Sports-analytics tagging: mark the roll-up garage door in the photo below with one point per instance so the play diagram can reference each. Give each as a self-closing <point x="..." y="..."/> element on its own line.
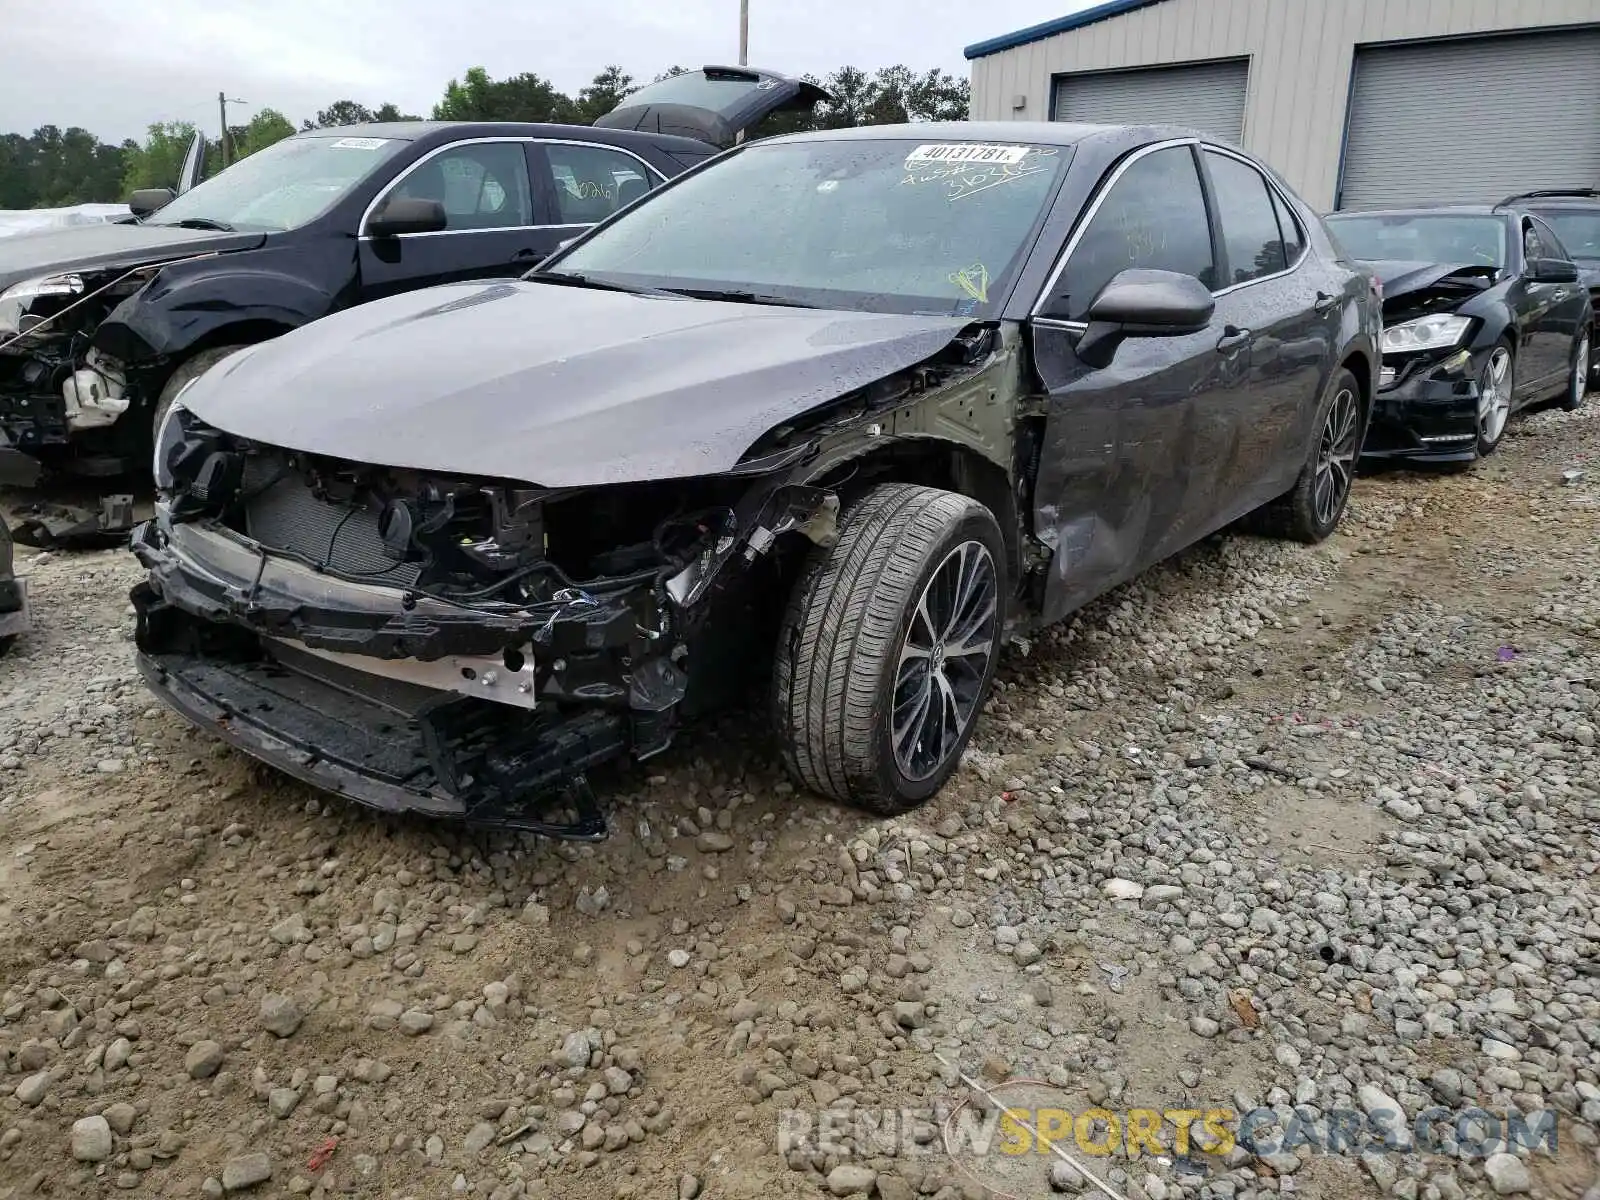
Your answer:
<point x="1473" y="121"/>
<point x="1205" y="96"/>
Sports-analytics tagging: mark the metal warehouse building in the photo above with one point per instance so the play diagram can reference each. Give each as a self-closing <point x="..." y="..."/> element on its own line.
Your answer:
<point x="1358" y="103"/>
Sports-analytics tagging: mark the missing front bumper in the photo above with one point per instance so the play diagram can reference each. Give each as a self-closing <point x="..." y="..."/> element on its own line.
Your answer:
<point x="461" y="759"/>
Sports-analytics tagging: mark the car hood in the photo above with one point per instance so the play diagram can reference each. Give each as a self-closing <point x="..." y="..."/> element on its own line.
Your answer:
<point x="84" y="247"/>
<point x="1399" y="278"/>
<point x="552" y="385"/>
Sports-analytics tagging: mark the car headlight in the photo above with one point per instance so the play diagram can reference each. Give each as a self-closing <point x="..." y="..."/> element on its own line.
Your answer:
<point x="15" y="300"/>
<point x="1437" y="332"/>
<point x="168" y="438"/>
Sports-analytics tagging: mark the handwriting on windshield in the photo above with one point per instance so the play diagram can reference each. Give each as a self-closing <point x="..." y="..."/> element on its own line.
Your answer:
<point x="973" y="281"/>
<point x="961" y="180"/>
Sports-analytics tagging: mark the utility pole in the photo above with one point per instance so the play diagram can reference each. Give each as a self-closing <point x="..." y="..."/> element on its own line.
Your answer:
<point x="744" y="33"/>
<point x="223" y="100"/>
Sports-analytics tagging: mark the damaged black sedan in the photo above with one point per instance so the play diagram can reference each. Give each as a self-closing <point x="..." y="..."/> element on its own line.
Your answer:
<point x="1483" y="316"/>
<point x="837" y="415"/>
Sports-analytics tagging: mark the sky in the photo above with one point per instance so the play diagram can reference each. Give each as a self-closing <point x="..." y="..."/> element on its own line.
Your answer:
<point x="114" y="67"/>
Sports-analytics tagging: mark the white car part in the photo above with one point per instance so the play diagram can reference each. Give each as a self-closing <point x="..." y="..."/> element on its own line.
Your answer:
<point x="470" y="675"/>
<point x="96" y="393"/>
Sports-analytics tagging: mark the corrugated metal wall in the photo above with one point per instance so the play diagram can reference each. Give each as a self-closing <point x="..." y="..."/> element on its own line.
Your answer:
<point x="1301" y="53"/>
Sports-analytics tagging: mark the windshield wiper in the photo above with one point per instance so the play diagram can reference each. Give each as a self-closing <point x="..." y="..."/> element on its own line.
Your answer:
<point x="574" y="279"/>
<point x="199" y="223"/>
<point x="738" y="297"/>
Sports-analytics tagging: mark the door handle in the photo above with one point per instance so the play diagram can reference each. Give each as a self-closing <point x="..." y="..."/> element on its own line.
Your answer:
<point x="1324" y="302"/>
<point x="1560" y="294"/>
<point x="526" y="255"/>
<point x="1233" y="338"/>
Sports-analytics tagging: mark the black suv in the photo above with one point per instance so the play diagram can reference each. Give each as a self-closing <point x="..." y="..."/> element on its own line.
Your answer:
<point x="1574" y="214"/>
<point x="101" y="326"/>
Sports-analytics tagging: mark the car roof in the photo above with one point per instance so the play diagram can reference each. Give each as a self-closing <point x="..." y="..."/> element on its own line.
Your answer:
<point x="1424" y="210"/>
<point x="418" y="131"/>
<point x="1043" y="133"/>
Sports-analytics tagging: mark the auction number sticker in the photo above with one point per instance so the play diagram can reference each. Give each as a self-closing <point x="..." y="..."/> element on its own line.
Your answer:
<point x="360" y="143"/>
<point x="967" y="152"/>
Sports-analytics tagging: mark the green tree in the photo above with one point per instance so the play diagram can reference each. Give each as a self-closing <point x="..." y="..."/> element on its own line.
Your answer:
<point x="605" y="91"/>
<point x="159" y="161"/>
<point x="266" y="127"/>
<point x="391" y="112"/>
<point x="670" y="72"/>
<point x="525" y="97"/>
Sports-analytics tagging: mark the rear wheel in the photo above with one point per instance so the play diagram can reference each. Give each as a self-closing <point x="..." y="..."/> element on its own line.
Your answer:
<point x="888" y="647"/>
<point x="1313" y="507"/>
<point x="1496" y="383"/>
<point x="1578" y="383"/>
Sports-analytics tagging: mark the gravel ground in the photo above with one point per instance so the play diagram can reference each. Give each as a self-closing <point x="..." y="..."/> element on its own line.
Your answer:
<point x="1307" y="829"/>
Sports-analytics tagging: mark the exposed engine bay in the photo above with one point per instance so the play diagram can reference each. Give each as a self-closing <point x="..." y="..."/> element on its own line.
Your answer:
<point x="69" y="376"/>
<point x="1435" y="290"/>
<point x="479" y="609"/>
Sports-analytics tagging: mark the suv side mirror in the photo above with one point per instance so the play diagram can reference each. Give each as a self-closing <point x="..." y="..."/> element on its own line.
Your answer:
<point x="1553" y="270"/>
<point x="147" y="200"/>
<point x="403" y="214"/>
<point x="1143" y="303"/>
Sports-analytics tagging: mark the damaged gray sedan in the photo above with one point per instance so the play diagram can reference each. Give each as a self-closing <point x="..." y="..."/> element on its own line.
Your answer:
<point x="834" y="416"/>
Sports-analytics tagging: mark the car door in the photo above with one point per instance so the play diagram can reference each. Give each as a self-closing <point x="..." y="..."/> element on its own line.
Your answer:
<point x="1291" y="325"/>
<point x="585" y="183"/>
<point x="1569" y="310"/>
<point x="1542" y="348"/>
<point x="1127" y="449"/>
<point x="487" y="193"/>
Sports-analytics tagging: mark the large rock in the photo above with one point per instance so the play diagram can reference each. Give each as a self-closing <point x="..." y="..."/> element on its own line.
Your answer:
<point x="280" y="1015"/>
<point x="849" y="1178"/>
<point x="246" y="1172"/>
<point x="91" y="1139"/>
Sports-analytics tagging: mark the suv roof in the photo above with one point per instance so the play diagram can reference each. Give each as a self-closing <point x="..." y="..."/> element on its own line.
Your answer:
<point x="1575" y="197"/>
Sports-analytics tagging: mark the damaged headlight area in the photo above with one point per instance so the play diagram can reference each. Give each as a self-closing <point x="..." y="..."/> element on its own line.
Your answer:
<point x="53" y="382"/>
<point x="1437" y="331"/>
<point x="459" y="646"/>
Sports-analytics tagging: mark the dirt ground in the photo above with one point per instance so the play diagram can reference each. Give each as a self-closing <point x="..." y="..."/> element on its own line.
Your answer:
<point x="219" y="961"/>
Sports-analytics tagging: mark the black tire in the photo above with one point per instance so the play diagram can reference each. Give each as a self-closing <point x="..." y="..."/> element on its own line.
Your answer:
<point x="1304" y="513"/>
<point x="1486" y="444"/>
<point x="853" y="623"/>
<point x="190" y="369"/>
<point x="1580" y="372"/>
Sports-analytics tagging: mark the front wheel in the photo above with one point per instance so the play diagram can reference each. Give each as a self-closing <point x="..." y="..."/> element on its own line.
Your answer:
<point x="888" y="647"/>
<point x="1578" y="382"/>
<point x="1496" y="383"/>
<point x="188" y="371"/>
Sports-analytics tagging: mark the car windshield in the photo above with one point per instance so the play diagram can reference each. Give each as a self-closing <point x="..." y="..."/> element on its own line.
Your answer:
<point x="1579" y="231"/>
<point x="877" y="226"/>
<point x="281" y="187"/>
<point x="1427" y="238"/>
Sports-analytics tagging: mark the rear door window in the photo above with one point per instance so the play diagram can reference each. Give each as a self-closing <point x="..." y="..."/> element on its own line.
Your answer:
<point x="1153" y="216"/>
<point x="1249" y="223"/>
<point x="592" y="182"/>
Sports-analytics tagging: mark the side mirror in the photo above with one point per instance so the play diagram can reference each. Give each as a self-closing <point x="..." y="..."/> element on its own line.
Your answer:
<point x="406" y="215"/>
<point x="1143" y="303"/>
<point x="147" y="200"/>
<point x="1553" y="270"/>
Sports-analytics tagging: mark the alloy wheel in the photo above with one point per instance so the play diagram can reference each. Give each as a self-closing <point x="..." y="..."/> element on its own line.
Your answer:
<point x="944" y="661"/>
<point x="1336" y="456"/>
<point x="1494" y="403"/>
<point x="1580" y="372"/>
